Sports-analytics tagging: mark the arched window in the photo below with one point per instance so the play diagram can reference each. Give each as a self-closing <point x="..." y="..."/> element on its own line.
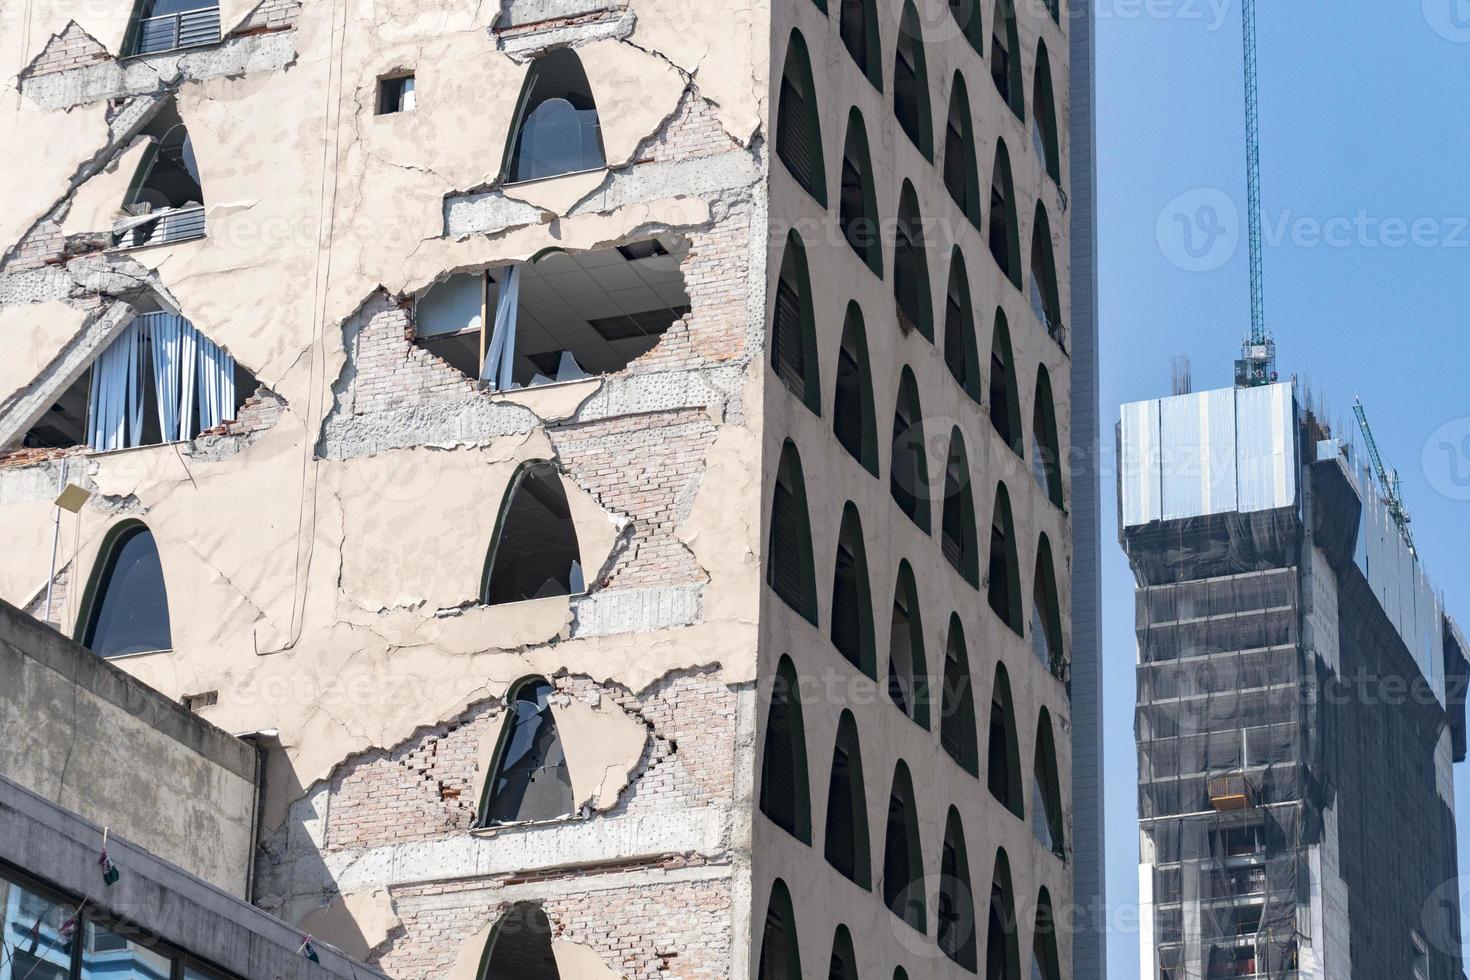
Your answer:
<point x="852" y="599"/>
<point x="961" y="171"/>
<point x="843" y="964"/>
<point x="529" y="780"/>
<point x="785" y="797"/>
<point x="908" y="469"/>
<point x="166" y="195"/>
<point x="519" y="947"/>
<point x="1046" y="790"/>
<point x="908" y="674"/>
<point x="903" y="861"/>
<point x="911" y="83"/>
<point x="1044" y="116"/>
<point x="961" y="353"/>
<point x="854" y="417"/>
<point x="958" y="733"/>
<point x="126" y="605"/>
<point x="1003" y="758"/>
<point x="911" y="267"/>
<point x="847" y="846"/>
<point x="1005" y="57"/>
<point x="1005" y="237"/>
<point x="780" y="956"/>
<point x="1046" y="452"/>
<point x="534" y="553"/>
<point x="1005" y="401"/>
<point x="1002" y="949"/>
<point x="857" y="208"/>
<point x="859" y="29"/>
<point x="789" y="570"/>
<point x="1045" y="963"/>
<point x="1046" y="301"/>
<point x="1046" y="613"/>
<point x="1004" y="577"/>
<point x="968" y="15"/>
<point x="957" y="938"/>
<point x="556" y="130"/>
<point x="958" y="538"/>
<point x="794" y="328"/>
<point x="798" y="131"/>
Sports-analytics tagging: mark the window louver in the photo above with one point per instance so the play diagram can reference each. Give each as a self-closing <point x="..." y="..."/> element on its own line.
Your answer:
<point x="787" y="343"/>
<point x="793" y="139"/>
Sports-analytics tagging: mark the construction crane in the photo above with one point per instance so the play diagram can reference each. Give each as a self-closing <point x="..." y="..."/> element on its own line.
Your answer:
<point x="1392" y="497"/>
<point x="1257" y="364"/>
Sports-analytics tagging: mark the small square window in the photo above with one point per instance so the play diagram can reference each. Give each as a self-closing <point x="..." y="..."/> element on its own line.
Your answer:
<point x="395" y="94"/>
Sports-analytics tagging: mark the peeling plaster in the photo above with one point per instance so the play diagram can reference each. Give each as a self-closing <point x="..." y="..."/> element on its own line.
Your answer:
<point x="356" y="923"/>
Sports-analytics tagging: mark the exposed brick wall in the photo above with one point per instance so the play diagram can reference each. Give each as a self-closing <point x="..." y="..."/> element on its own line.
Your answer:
<point x="693" y="132"/>
<point x="42" y="245"/>
<point x="72" y="48"/>
<point x="393" y="372"/>
<point x="271" y="15"/>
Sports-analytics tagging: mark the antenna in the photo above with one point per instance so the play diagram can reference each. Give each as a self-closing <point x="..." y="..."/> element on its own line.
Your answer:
<point x="1257" y="364"/>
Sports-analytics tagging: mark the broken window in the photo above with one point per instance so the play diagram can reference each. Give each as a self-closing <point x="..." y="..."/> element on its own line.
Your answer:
<point x="798" y="131"/>
<point x="908" y="674"/>
<point x="968" y="14"/>
<point x="125" y="607"/>
<point x="958" y="733"/>
<point x="857" y="208"/>
<point x="1003" y="759"/>
<point x="780" y="955"/>
<point x="789" y="568"/>
<point x="1044" y="116"/>
<point x="911" y="267"/>
<point x="1005" y="237"/>
<point x="961" y="353"/>
<point x="794" y="328"/>
<point x="847" y="847"/>
<point x="529" y="780"/>
<point x="854" y="421"/>
<point x="1004" y="576"/>
<point x="556" y="131"/>
<point x="1046" y="301"/>
<point x="1046" y="455"/>
<point x="395" y="94"/>
<point x="1045" y="963"/>
<point x="163" y="25"/>
<point x="165" y="202"/>
<point x="1046" y="791"/>
<point x="908" y="469"/>
<point x="961" y="171"/>
<point x="911" y="83"/>
<point x="563" y="316"/>
<point x="1002" y="948"/>
<point x="843" y="963"/>
<point x="956" y="927"/>
<point x="1005" y="57"/>
<point x="534" y="553"/>
<point x="1005" y="400"/>
<point x="519" y="947"/>
<point x="903" y="865"/>
<point x="852" y="601"/>
<point x="1046" y="614"/>
<point x="958" y="538"/>
<point x="784" y="795"/>
<point x="858" y="24"/>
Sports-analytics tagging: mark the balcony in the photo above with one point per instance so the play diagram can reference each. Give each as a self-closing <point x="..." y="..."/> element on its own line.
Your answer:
<point x="160" y="228"/>
<point x="186" y="29"/>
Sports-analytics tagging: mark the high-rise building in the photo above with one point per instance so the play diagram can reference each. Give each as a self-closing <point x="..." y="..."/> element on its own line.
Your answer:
<point x="611" y="455"/>
<point x="1300" y="700"/>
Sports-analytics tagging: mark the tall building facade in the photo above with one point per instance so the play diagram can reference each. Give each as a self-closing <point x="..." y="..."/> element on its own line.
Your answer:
<point x="612" y="455"/>
<point x="1300" y="701"/>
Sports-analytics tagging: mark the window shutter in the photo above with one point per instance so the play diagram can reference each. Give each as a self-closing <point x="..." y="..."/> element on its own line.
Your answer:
<point x="790" y="361"/>
<point x="786" y="570"/>
<point x="841" y="848"/>
<point x="954" y="339"/>
<point x="793" y="136"/>
<point x="954" y="166"/>
<point x="778" y="780"/>
<point x="950" y="724"/>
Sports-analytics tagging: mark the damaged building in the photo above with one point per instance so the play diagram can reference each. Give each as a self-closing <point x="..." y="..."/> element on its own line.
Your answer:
<point x="1301" y="700"/>
<point x="605" y="456"/>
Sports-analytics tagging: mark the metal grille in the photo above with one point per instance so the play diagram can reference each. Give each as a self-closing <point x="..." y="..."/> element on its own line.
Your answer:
<point x="179" y="225"/>
<point x="188" y="29"/>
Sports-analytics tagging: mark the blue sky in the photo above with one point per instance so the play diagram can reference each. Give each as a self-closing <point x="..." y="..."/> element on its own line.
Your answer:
<point x="1365" y="144"/>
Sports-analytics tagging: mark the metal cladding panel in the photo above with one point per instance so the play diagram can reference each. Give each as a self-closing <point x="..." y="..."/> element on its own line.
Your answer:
<point x="1138" y="470"/>
<point x="1265" y="435"/>
<point x="1197" y="454"/>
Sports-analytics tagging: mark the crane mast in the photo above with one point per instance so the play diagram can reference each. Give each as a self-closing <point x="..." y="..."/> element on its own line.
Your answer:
<point x="1392" y="497"/>
<point x="1257" y="364"/>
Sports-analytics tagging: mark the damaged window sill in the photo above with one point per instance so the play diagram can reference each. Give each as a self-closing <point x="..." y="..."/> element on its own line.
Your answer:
<point x="495" y="829"/>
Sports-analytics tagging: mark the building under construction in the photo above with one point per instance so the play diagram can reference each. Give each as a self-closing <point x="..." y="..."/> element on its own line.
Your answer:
<point x="1300" y="700"/>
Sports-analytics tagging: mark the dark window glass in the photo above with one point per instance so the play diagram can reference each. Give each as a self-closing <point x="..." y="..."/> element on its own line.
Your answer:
<point x="559" y="132"/>
<point x="853" y="420"/>
<point x="847" y="847"/>
<point x="129" y="604"/>
<point x="519" y="948"/>
<point x="903" y="870"/>
<point x="780" y="956"/>
<point x="530" y="780"/>
<point x="783" y="793"/>
<point x="535" y="554"/>
<point x="956" y="932"/>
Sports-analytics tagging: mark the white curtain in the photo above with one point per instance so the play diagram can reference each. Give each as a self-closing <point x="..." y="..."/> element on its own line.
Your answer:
<point x="115" y="409"/>
<point x="497" y="371"/>
<point x="216" y="384"/>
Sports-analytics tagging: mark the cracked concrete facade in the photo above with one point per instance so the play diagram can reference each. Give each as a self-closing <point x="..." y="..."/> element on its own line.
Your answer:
<point x="323" y="553"/>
